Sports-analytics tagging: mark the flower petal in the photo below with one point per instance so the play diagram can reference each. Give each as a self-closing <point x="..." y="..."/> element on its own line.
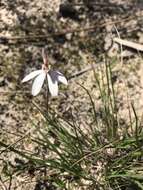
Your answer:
<point x="38" y="83"/>
<point x="52" y="83"/>
<point x="61" y="78"/>
<point x="32" y="75"/>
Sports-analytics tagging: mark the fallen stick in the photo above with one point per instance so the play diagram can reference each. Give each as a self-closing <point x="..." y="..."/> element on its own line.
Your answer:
<point x="133" y="45"/>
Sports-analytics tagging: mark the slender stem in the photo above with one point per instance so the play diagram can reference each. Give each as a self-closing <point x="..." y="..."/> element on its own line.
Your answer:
<point x="47" y="97"/>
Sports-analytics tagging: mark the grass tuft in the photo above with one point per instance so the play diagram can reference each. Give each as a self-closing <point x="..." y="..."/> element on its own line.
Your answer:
<point x="102" y="157"/>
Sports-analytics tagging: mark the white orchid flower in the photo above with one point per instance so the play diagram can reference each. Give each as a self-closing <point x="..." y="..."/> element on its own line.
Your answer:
<point x="52" y="77"/>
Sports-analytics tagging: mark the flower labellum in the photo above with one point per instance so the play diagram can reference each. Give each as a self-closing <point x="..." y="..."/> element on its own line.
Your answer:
<point x="52" y="77"/>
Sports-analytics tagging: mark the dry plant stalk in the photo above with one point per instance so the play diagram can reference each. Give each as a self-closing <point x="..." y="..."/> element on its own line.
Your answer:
<point x="127" y="43"/>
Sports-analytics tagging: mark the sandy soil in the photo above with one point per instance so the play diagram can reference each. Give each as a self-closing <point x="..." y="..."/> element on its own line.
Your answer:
<point x="70" y="53"/>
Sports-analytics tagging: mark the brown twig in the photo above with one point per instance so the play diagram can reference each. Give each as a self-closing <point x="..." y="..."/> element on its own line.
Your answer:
<point x="73" y="30"/>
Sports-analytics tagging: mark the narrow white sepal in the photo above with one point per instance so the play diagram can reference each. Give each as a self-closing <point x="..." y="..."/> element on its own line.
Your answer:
<point x="52" y="84"/>
<point x="32" y="75"/>
<point x="38" y="83"/>
<point x="61" y="78"/>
